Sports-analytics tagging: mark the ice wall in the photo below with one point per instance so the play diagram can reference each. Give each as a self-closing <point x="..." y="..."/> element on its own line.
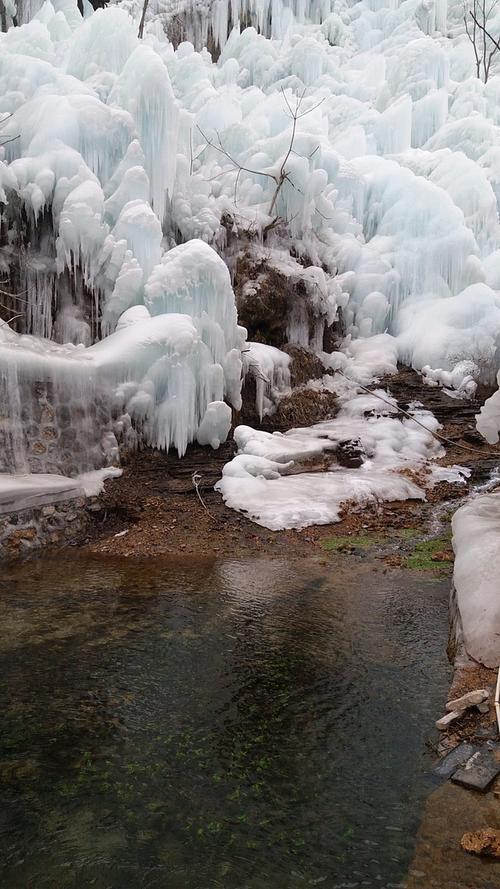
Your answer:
<point x="358" y="138"/>
<point x="390" y="183"/>
<point x="154" y="374"/>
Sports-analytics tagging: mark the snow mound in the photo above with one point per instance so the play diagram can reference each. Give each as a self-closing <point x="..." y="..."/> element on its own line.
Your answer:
<point x="260" y="480"/>
<point x="476" y="532"/>
<point x="488" y="419"/>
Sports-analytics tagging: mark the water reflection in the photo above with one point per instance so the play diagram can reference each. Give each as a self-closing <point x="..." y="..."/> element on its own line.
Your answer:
<point x="244" y="724"/>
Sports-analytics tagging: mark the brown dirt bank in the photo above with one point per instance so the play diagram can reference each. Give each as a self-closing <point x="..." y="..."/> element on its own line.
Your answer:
<point x="439" y="862"/>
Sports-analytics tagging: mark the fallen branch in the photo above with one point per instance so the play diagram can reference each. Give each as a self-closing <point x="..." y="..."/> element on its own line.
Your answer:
<point x="196" y="478"/>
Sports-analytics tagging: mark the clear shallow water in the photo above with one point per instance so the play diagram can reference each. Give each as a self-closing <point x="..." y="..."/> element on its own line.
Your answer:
<point x="241" y="724"/>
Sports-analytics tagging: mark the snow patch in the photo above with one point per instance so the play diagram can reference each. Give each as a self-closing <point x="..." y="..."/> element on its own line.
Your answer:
<point x="476" y="532"/>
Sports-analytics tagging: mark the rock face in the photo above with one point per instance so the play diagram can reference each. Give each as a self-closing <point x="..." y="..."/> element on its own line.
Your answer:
<point x="22" y="531"/>
<point x="482" y="842"/>
<point x="350" y="453"/>
<point x="50" y="429"/>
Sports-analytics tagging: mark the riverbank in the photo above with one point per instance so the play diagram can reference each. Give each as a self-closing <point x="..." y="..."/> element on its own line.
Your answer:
<point x="164" y="505"/>
<point x="155" y="507"/>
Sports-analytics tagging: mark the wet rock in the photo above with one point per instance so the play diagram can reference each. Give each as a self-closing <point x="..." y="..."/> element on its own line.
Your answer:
<point x="471" y="699"/>
<point x="472" y="437"/>
<point x="479" y="771"/>
<point x="486" y="732"/>
<point x="38" y="447"/>
<point x="482" y="842"/>
<point x="350" y="453"/>
<point x="23" y="534"/>
<point x="446" y="720"/>
<point x="454" y="759"/>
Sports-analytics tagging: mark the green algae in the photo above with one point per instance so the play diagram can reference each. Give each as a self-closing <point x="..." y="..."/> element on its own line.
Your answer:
<point x="423" y="557"/>
<point x="362" y="541"/>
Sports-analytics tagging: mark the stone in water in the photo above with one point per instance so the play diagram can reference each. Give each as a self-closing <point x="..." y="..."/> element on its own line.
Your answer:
<point x="479" y="771"/>
<point x="455" y="758"/>
<point x="482" y="842"/>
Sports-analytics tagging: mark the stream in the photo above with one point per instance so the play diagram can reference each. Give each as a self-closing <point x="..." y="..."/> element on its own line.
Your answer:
<point x="246" y="724"/>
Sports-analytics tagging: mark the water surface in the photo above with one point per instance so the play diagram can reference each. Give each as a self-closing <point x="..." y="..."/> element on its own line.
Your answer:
<point x="246" y="724"/>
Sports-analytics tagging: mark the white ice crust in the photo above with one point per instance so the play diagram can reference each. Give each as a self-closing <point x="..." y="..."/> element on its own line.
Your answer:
<point x="262" y="483"/>
<point x="30" y="490"/>
<point x="476" y="535"/>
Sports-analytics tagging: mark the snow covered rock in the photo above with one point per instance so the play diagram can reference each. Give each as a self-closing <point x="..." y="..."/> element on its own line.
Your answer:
<point x="259" y="481"/>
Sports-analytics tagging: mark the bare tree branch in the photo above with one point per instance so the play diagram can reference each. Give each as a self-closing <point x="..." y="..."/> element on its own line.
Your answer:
<point x="10" y="320"/>
<point x="239" y="166"/>
<point x="295" y="114"/>
<point x="143" y="19"/>
<point x="485" y="46"/>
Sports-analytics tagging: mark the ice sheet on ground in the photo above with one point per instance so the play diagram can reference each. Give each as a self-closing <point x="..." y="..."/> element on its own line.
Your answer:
<point x="27" y="491"/>
<point x="30" y="490"/>
<point x="260" y="481"/>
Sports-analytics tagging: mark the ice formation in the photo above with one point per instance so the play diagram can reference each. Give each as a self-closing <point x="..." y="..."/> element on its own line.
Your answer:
<point x="488" y="419"/>
<point x="261" y="480"/>
<point x="352" y="143"/>
<point x="391" y="184"/>
<point x="34" y="490"/>
<point x="476" y="531"/>
<point x="155" y="370"/>
<point x="270" y="368"/>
